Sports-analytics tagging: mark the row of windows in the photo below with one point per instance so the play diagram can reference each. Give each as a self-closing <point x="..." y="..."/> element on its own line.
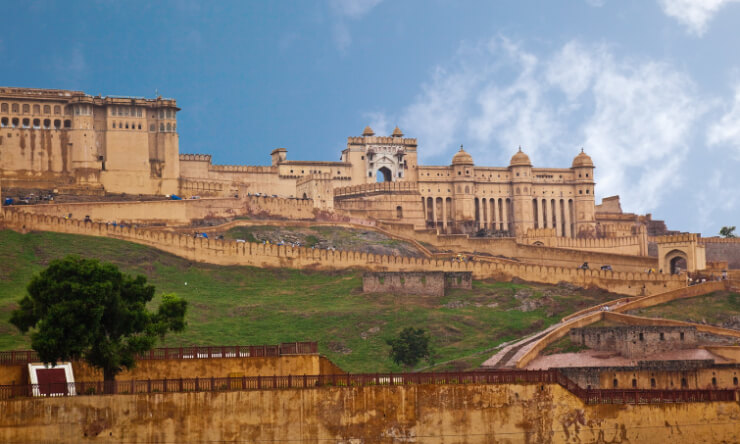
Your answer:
<point x="15" y="108"/>
<point x="164" y="128"/>
<point x="83" y="110"/>
<point x="15" y="122"/>
<point x="125" y="110"/>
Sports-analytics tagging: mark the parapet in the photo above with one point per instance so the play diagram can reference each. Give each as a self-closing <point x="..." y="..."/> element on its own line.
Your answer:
<point x="196" y="157"/>
<point x="675" y="238"/>
<point x="375" y="188"/>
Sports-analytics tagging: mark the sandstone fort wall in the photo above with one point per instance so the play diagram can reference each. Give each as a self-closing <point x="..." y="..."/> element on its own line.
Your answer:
<point x="259" y="255"/>
<point x="17" y="374"/>
<point x="450" y="414"/>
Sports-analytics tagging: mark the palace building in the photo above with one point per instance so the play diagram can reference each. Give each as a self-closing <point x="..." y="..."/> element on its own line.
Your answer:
<point x="73" y="141"/>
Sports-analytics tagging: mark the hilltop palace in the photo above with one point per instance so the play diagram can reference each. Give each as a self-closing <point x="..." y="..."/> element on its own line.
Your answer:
<point x="83" y="144"/>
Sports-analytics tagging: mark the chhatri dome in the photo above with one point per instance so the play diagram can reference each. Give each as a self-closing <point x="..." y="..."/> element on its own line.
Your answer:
<point x="582" y="160"/>
<point x="397" y="132"/>
<point x="462" y="157"/>
<point x="368" y="131"/>
<point x="520" y="159"/>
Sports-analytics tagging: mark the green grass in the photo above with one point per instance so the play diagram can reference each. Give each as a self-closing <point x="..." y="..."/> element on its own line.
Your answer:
<point x="246" y="305"/>
<point x="721" y="308"/>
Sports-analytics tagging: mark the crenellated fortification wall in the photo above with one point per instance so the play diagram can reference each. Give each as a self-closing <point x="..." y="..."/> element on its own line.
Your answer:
<point x="171" y="212"/>
<point x="259" y="255"/>
<point x="177" y="212"/>
<point x="635" y="245"/>
<point x="512" y="249"/>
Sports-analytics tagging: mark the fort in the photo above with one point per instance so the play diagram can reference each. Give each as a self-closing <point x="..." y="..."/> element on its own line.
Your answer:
<point x="467" y="222"/>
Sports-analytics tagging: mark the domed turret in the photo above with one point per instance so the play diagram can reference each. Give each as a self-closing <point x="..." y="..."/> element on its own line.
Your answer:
<point x="368" y="131"/>
<point x="582" y="160"/>
<point x="397" y="132"/>
<point x="462" y="158"/>
<point x="520" y="159"/>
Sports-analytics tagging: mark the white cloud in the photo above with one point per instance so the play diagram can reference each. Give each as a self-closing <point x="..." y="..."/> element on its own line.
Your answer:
<point x="378" y="122"/>
<point x="642" y="119"/>
<point x="634" y="117"/>
<point x="353" y="9"/>
<point x="726" y="131"/>
<point x="694" y="14"/>
<point x="344" y="10"/>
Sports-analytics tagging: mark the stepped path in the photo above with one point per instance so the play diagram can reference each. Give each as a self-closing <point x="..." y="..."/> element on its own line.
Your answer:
<point x="520" y="353"/>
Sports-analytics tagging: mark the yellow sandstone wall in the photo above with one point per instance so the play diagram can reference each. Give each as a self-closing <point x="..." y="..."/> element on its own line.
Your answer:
<point x="430" y="414"/>
<point x="259" y="255"/>
<point x="192" y="368"/>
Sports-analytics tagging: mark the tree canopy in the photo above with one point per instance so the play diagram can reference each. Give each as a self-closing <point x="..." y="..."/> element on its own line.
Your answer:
<point x="83" y="309"/>
<point x="410" y="347"/>
<point x="727" y="232"/>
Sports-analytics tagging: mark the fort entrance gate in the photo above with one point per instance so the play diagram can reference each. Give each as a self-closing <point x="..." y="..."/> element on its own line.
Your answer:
<point x="680" y="253"/>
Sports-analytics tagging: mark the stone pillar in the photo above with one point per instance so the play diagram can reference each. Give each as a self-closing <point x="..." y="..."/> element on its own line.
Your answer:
<point x="434" y="211"/>
<point x="568" y="231"/>
<point x="558" y="218"/>
<point x="540" y="215"/>
<point x="444" y="214"/>
<point x="492" y="212"/>
<point x="506" y="214"/>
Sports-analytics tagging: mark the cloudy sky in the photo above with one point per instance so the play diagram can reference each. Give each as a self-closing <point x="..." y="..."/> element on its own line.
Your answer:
<point x="649" y="88"/>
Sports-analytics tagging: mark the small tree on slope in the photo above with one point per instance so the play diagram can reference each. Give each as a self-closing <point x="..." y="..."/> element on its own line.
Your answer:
<point x="82" y="309"/>
<point x="410" y="347"/>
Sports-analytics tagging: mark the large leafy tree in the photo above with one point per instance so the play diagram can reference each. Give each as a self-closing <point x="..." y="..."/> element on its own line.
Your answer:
<point x="83" y="309"/>
<point x="411" y="345"/>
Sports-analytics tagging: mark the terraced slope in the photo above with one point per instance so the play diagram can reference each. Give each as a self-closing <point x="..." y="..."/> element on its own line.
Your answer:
<point x="244" y="305"/>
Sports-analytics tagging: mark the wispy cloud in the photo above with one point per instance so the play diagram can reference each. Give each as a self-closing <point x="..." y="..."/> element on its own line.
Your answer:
<point x="695" y="15"/>
<point x="344" y="11"/>
<point x="726" y="131"/>
<point x="634" y="116"/>
<point x="71" y="66"/>
<point x="378" y="121"/>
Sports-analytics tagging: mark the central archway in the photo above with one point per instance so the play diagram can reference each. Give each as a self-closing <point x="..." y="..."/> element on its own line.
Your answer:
<point x="677" y="260"/>
<point x="383" y="175"/>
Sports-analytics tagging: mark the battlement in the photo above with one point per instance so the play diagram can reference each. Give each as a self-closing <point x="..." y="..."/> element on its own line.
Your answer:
<point x="260" y="255"/>
<point x="675" y="238"/>
<point x="39" y="93"/>
<point x="381" y="187"/>
<point x="719" y="240"/>
<point x="195" y="157"/>
<point x="243" y="169"/>
<point x="381" y="140"/>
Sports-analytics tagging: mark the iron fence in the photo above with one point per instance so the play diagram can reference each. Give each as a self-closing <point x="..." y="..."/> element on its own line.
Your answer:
<point x="232" y="351"/>
<point x="590" y="396"/>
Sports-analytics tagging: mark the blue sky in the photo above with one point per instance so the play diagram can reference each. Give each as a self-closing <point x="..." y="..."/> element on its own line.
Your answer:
<point x="650" y="88"/>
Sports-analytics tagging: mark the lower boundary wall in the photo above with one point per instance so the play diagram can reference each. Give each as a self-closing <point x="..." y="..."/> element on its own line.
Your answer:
<point x="450" y="414"/>
<point x="259" y="255"/>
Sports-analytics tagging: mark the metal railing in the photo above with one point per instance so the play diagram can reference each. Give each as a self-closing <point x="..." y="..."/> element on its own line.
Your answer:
<point x="598" y="396"/>
<point x="233" y="351"/>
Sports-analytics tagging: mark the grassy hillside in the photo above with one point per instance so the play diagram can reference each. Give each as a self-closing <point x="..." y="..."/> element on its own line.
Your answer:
<point x="721" y="308"/>
<point x="245" y="305"/>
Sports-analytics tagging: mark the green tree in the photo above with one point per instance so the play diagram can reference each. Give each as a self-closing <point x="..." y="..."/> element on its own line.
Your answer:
<point x="411" y="345"/>
<point x="82" y="309"/>
<point x="727" y="232"/>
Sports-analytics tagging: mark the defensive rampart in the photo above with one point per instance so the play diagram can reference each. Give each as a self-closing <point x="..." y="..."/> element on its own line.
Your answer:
<point x="534" y="254"/>
<point x="439" y="411"/>
<point x="259" y="255"/>
<point x="177" y="212"/>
